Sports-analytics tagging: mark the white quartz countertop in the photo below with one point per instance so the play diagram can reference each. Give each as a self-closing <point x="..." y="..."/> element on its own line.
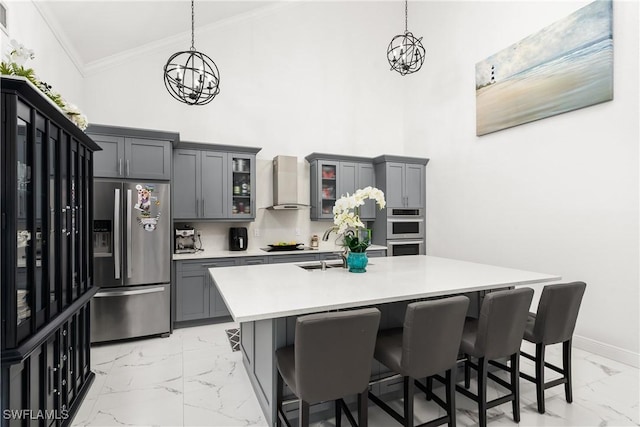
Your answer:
<point x="207" y="253"/>
<point x="280" y="290"/>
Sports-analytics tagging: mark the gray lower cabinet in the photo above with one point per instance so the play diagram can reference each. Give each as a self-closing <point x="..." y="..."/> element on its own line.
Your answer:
<point x="132" y="153"/>
<point x="376" y="253"/>
<point x="196" y="295"/>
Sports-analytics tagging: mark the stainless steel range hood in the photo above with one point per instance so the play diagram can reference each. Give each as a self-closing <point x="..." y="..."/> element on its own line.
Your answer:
<point x="285" y="184"/>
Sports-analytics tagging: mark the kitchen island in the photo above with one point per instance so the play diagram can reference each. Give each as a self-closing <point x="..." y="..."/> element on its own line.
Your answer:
<point x="266" y="300"/>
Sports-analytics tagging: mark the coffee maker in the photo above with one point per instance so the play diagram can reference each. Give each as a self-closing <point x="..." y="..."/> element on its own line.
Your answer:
<point x="185" y="240"/>
<point x="238" y="239"/>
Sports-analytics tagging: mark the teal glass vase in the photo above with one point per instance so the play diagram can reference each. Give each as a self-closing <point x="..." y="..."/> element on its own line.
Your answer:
<point x="357" y="262"/>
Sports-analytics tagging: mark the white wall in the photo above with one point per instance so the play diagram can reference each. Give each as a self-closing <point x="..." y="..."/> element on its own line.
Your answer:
<point x="51" y="63"/>
<point x="559" y="195"/>
<point x="300" y="78"/>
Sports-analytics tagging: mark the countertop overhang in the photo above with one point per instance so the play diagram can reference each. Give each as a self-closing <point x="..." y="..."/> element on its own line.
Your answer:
<point x="279" y="290"/>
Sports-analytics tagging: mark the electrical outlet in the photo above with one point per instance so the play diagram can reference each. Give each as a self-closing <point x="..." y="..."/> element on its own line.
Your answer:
<point x="256" y="232"/>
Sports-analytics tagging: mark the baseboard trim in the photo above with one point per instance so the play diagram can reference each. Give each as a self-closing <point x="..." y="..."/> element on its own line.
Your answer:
<point x="607" y="350"/>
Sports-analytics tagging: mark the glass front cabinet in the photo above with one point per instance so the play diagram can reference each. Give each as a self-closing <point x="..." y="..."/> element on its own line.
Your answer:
<point x="214" y="182"/>
<point x="333" y="176"/>
<point x="46" y="270"/>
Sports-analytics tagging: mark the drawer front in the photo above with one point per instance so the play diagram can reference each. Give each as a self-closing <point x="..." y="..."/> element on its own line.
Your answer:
<point x="281" y="259"/>
<point x="254" y="260"/>
<point x="205" y="263"/>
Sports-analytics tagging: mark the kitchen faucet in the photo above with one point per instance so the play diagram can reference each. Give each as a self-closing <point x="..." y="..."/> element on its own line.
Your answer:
<point x="325" y="237"/>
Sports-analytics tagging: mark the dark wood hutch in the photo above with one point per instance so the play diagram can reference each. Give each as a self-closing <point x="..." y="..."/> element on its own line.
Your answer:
<point x="46" y="253"/>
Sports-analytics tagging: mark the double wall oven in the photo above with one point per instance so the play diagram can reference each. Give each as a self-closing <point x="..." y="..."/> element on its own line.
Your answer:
<point x="405" y="232"/>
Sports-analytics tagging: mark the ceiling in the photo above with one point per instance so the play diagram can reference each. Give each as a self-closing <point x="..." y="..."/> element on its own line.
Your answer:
<point x="92" y="31"/>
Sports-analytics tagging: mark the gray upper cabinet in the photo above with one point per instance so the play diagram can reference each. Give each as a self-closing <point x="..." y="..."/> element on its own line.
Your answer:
<point x="186" y="183"/>
<point x="403" y="180"/>
<point x="333" y="176"/>
<point x="211" y="182"/>
<point x="214" y="183"/>
<point x="109" y="162"/>
<point x="130" y="153"/>
<point x="147" y="159"/>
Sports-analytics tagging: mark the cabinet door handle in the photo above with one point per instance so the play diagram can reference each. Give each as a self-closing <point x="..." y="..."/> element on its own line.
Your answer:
<point x="129" y="250"/>
<point x="120" y="166"/>
<point x="128" y="167"/>
<point x="203" y="200"/>
<point x="116" y="234"/>
<point x="197" y="206"/>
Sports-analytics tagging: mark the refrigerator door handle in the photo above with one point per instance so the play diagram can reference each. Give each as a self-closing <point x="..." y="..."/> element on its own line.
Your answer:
<point x="116" y="233"/>
<point x="127" y="293"/>
<point x="129" y="261"/>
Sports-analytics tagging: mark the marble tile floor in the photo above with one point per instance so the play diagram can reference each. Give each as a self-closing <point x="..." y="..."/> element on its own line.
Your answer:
<point x="193" y="378"/>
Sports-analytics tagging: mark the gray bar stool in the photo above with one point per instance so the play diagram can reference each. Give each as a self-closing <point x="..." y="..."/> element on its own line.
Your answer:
<point x="554" y="323"/>
<point x="497" y="333"/>
<point x="426" y="345"/>
<point x="330" y="359"/>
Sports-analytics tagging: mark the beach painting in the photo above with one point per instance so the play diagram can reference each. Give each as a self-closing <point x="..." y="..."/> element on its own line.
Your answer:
<point x="565" y="66"/>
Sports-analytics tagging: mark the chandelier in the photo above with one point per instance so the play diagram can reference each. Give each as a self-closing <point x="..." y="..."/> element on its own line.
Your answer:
<point x="191" y="76"/>
<point x="405" y="52"/>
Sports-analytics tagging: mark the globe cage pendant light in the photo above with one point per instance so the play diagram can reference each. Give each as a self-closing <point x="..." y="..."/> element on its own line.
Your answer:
<point x="191" y="76"/>
<point x="405" y="52"/>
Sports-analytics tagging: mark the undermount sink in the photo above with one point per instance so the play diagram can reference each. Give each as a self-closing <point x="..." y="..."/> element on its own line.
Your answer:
<point x="310" y="266"/>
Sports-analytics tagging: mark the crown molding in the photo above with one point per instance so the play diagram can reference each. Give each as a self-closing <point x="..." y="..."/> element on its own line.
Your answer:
<point x="125" y="57"/>
<point x="58" y="33"/>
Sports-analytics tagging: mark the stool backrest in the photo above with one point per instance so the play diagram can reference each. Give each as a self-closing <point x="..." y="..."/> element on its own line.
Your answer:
<point x="431" y="335"/>
<point x="557" y="312"/>
<point x="503" y="317"/>
<point x="333" y="353"/>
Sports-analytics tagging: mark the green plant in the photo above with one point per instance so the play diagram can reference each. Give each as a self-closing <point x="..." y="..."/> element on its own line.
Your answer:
<point x="355" y="243"/>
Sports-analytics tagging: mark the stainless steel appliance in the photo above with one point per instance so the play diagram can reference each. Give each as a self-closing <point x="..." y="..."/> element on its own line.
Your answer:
<point x="285" y="184"/>
<point x="405" y="247"/>
<point x="185" y="240"/>
<point x="238" y="239"/>
<point x="405" y="224"/>
<point x="403" y="232"/>
<point x="132" y="259"/>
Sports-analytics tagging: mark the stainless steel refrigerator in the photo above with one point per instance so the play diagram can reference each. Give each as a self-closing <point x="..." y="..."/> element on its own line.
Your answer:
<point x="132" y="259"/>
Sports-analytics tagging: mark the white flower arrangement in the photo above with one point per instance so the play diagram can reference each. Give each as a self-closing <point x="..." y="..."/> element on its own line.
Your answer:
<point x="346" y="216"/>
<point x="13" y="65"/>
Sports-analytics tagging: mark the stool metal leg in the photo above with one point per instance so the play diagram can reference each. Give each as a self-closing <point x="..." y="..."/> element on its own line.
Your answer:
<point x="429" y="388"/>
<point x="482" y="391"/>
<point x="279" y="387"/>
<point x="451" y="396"/>
<point x="338" y="409"/>
<point x="303" y="415"/>
<point x="408" y="401"/>
<point x="566" y="366"/>
<point x="467" y="374"/>
<point x="540" y="377"/>
<point x="363" y="408"/>
<point x="515" y="385"/>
